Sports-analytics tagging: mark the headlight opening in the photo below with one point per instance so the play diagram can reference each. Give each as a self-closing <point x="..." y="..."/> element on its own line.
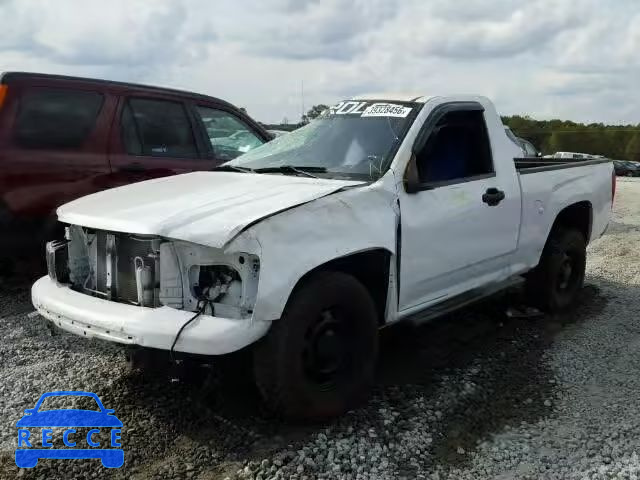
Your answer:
<point x="216" y="283"/>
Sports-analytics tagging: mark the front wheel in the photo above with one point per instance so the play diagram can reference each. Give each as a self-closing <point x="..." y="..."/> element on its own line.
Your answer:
<point x="319" y="359"/>
<point x="555" y="283"/>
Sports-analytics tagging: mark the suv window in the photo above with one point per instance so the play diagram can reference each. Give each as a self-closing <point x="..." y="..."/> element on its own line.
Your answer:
<point x="457" y="148"/>
<point x="230" y="137"/>
<point x="56" y="118"/>
<point x="157" y="128"/>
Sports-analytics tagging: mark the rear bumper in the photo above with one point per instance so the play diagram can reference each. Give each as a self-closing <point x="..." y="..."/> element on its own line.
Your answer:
<point x="91" y="317"/>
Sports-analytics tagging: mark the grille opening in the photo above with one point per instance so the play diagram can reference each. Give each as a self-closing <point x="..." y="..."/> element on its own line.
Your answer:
<point x="113" y="260"/>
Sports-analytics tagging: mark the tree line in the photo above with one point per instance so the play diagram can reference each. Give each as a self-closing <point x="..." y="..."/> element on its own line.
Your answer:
<point x="618" y="142"/>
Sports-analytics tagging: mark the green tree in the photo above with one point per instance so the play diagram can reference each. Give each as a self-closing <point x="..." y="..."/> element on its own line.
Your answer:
<point x="549" y="136"/>
<point x="315" y="111"/>
<point x="554" y="143"/>
<point x="633" y="148"/>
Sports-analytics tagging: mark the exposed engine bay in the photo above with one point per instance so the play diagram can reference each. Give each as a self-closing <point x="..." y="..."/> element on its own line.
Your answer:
<point x="153" y="272"/>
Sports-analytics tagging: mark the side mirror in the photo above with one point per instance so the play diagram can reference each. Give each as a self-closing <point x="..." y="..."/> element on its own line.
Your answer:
<point x="411" y="178"/>
<point x="109" y="411"/>
<point x="30" y="411"/>
<point x="539" y="154"/>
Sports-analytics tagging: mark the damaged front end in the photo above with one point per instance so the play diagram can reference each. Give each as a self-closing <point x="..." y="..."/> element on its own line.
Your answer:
<point x="152" y="272"/>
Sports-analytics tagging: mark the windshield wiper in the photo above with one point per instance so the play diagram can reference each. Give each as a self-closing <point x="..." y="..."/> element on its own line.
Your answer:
<point x="232" y="168"/>
<point x="300" y="170"/>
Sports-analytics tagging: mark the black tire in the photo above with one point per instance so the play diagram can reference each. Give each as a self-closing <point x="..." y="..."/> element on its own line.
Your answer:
<point x="318" y="361"/>
<point x="554" y="285"/>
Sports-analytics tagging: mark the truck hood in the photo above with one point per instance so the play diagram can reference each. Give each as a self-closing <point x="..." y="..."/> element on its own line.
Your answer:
<point x="209" y="208"/>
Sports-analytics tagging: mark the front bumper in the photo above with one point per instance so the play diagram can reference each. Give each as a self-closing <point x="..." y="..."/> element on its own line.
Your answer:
<point x="88" y="316"/>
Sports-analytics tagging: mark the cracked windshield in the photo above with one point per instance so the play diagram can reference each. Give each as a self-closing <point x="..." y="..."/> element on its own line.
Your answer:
<point x="352" y="139"/>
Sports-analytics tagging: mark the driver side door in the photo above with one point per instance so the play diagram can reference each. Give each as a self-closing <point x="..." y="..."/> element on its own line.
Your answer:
<point x="460" y="224"/>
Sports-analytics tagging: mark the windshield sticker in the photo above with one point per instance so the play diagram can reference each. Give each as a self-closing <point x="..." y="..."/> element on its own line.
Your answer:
<point x="367" y="109"/>
<point x="348" y="108"/>
<point x="386" y="110"/>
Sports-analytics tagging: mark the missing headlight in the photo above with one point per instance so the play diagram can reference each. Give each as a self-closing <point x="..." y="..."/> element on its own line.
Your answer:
<point x="227" y="280"/>
<point x="218" y="283"/>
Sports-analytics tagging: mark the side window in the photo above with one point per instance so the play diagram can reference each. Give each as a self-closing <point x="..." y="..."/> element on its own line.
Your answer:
<point x="229" y="136"/>
<point x="157" y="128"/>
<point x="457" y="148"/>
<point x="56" y="118"/>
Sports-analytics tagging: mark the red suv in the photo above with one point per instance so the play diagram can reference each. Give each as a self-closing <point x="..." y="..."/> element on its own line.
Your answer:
<point x="65" y="137"/>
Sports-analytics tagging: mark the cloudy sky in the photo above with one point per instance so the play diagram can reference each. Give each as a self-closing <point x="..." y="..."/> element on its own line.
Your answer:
<point x="570" y="59"/>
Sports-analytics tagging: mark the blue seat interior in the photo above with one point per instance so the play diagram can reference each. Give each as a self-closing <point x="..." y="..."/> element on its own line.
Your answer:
<point x="448" y="158"/>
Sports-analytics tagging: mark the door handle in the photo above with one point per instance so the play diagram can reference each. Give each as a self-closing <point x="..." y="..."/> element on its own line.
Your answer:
<point x="493" y="196"/>
<point x="133" y="168"/>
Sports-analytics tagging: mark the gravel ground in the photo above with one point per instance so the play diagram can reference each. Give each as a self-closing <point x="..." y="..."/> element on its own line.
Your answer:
<point x="474" y="395"/>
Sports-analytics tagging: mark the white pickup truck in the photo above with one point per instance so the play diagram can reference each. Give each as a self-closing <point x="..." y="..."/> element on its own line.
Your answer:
<point x="382" y="210"/>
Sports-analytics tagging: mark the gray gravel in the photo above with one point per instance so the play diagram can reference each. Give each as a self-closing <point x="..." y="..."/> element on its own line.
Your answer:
<point x="474" y="395"/>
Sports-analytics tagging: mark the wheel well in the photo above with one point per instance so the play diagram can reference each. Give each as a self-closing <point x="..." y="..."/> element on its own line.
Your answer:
<point x="370" y="267"/>
<point x="577" y="216"/>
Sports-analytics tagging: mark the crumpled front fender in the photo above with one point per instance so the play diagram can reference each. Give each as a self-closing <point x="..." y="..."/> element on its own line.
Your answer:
<point x="301" y="239"/>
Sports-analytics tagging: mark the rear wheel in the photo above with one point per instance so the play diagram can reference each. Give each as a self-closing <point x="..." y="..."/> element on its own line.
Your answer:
<point x="319" y="359"/>
<point x="555" y="283"/>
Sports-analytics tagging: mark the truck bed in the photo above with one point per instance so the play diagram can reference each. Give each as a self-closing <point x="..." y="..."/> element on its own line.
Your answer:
<point x="532" y="165"/>
<point x="555" y="185"/>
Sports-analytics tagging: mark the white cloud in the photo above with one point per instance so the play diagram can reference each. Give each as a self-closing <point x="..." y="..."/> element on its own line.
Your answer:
<point x="124" y="32"/>
<point x="484" y="30"/>
<point x="574" y="59"/>
<point x="330" y="29"/>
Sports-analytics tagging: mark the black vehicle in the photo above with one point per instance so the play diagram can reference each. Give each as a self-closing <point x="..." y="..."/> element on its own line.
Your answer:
<point x="626" y="168"/>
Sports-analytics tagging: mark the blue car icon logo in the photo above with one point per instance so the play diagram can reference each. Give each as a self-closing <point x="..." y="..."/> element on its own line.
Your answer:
<point x="33" y="445"/>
